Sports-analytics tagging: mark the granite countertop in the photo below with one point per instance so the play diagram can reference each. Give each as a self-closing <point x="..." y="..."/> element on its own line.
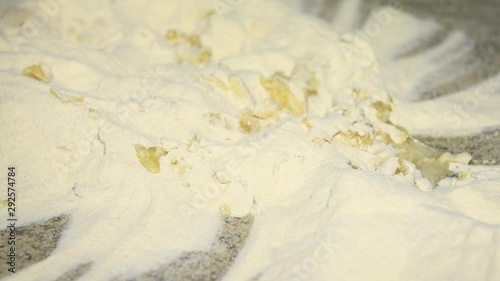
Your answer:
<point x="479" y="19"/>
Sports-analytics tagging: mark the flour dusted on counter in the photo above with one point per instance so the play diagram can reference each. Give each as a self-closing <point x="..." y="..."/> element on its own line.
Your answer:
<point x="123" y="114"/>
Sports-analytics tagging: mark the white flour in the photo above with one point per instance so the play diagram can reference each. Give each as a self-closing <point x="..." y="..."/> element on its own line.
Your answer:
<point x="262" y="110"/>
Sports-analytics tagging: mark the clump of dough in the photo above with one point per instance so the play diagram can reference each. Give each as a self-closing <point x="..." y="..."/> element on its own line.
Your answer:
<point x="355" y="139"/>
<point x="149" y="157"/>
<point x="65" y="98"/>
<point x="249" y="123"/>
<point x="279" y="91"/>
<point x="39" y="72"/>
<point x="430" y="162"/>
<point x="383" y="110"/>
<point x="225" y="210"/>
<point x="189" y="48"/>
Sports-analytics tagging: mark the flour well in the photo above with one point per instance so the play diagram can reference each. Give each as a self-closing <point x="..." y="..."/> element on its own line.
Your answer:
<point x="162" y="117"/>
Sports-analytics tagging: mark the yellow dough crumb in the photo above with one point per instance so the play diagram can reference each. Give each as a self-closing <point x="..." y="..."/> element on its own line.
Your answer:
<point x="189" y="48"/>
<point x="249" y="123"/>
<point x="149" y="157"/>
<point x="312" y="85"/>
<point x="66" y="99"/>
<point x="225" y="210"/>
<point x="172" y="35"/>
<point x="427" y="160"/>
<point x="383" y="110"/>
<point x="360" y="95"/>
<point x="354" y="139"/>
<point x="307" y="123"/>
<point x="38" y="72"/>
<point x="280" y="92"/>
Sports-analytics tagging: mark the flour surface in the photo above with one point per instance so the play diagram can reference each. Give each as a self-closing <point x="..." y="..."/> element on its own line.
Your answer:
<point x="147" y="122"/>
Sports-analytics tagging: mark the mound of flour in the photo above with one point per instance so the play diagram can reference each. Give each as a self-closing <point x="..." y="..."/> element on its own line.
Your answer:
<point x="147" y="122"/>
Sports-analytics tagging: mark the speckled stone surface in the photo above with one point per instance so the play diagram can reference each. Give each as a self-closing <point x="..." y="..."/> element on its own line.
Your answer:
<point x="478" y="18"/>
<point x="75" y="273"/>
<point x="33" y="243"/>
<point x="484" y="148"/>
<point x="211" y="265"/>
